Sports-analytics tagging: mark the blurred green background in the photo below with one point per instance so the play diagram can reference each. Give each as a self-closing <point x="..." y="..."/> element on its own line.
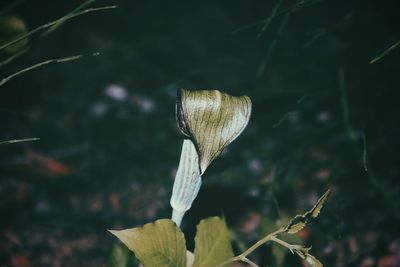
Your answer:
<point x="323" y="117"/>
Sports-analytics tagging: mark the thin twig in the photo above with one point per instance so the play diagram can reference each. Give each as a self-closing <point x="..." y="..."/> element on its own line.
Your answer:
<point x="12" y="57"/>
<point x="38" y="65"/>
<point x="288" y="10"/>
<point x="60" y="21"/>
<point x="269" y="19"/>
<point x="323" y="31"/>
<point x="384" y="53"/>
<point x="318" y="34"/>
<point x="246" y="260"/>
<point x="248" y="251"/>
<point x="285" y="244"/>
<point x="345" y="106"/>
<point x="365" y="161"/>
<point x="370" y="174"/>
<point x="19" y="140"/>
<point x="50" y="24"/>
<point x="281" y="120"/>
<point x="301" y="99"/>
<point x="272" y="45"/>
<point x="74" y="11"/>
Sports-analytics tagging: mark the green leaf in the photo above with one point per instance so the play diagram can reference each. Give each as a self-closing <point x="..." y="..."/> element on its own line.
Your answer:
<point x="156" y="244"/>
<point x="212" y="119"/>
<point x="297" y="224"/>
<point x="213" y="243"/>
<point x="314" y="212"/>
<point x="301" y="221"/>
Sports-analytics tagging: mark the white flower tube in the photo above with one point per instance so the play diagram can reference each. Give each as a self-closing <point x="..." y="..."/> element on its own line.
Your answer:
<point x="187" y="181"/>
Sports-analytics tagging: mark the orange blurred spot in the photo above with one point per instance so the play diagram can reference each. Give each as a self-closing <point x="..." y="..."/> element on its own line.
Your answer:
<point x="114" y="201"/>
<point x="22" y="192"/>
<point x="49" y="165"/>
<point x="368" y="262"/>
<point x="251" y="223"/>
<point x="323" y="174"/>
<point x="319" y="155"/>
<point x="387" y="261"/>
<point x="96" y="205"/>
<point x="304" y="234"/>
<point x="353" y="245"/>
<point x="20" y="261"/>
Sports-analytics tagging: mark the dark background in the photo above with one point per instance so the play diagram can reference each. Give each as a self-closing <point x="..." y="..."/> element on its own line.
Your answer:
<point x="323" y="117"/>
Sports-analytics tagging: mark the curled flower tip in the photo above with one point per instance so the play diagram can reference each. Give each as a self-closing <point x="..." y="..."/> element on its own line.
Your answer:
<point x="187" y="181"/>
<point x="212" y="120"/>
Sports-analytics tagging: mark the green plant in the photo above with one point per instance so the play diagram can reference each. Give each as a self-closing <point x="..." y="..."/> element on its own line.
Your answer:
<point x="209" y="121"/>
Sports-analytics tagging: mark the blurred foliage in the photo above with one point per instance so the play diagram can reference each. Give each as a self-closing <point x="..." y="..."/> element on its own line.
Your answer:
<point x="109" y="144"/>
<point x="120" y="256"/>
<point x="12" y="27"/>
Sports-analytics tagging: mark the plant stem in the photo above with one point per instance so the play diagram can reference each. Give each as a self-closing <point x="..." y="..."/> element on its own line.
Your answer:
<point x="12" y="57"/>
<point x="285" y="244"/>
<point x="77" y="9"/>
<point x="243" y="255"/>
<point x="177" y="216"/>
<point x="19" y="140"/>
<point x="387" y="51"/>
<point x="246" y="260"/>
<point x="38" y="65"/>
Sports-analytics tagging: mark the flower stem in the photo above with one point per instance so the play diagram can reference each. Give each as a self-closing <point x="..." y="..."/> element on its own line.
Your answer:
<point x="285" y="244"/>
<point x="177" y="216"/>
<point x="243" y="255"/>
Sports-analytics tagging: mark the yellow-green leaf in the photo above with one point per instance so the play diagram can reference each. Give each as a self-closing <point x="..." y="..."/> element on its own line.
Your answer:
<point x="213" y="243"/>
<point x="314" y="212"/>
<point x="212" y="119"/>
<point x="296" y="224"/>
<point x="156" y="244"/>
<point x="301" y="221"/>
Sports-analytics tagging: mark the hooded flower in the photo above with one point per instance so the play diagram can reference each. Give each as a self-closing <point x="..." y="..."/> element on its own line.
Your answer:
<point x="210" y="120"/>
